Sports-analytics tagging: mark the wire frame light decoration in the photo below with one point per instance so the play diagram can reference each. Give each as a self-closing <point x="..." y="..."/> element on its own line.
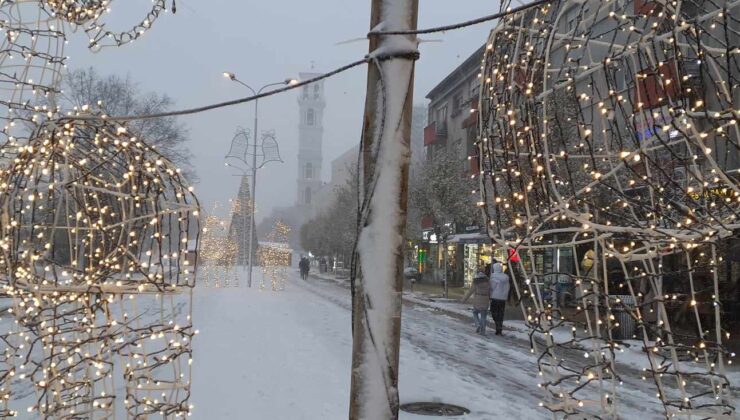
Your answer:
<point x="95" y="234"/>
<point x="217" y="252"/>
<point x="32" y="56"/>
<point x="98" y="238"/>
<point x="275" y="257"/>
<point x="609" y="148"/>
<point x="267" y="149"/>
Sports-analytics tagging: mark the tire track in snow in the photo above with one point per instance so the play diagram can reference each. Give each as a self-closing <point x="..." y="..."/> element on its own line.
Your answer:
<point x="503" y="363"/>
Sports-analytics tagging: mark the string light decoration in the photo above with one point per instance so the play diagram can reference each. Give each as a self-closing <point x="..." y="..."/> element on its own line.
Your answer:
<point x="33" y="56"/>
<point x="94" y="241"/>
<point x="275" y="257"/>
<point x="218" y="253"/>
<point x="608" y="132"/>
<point x="242" y="224"/>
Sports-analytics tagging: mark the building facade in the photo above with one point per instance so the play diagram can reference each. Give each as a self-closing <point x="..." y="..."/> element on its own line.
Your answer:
<point x="452" y="128"/>
<point x="343" y="169"/>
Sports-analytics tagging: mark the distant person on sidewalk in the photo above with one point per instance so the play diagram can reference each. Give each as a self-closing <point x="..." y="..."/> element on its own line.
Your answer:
<point x="499" y="295"/>
<point x="480" y="290"/>
<point x="304" y="265"/>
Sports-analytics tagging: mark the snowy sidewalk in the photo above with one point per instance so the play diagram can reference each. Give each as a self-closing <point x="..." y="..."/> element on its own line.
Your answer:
<point x="450" y="306"/>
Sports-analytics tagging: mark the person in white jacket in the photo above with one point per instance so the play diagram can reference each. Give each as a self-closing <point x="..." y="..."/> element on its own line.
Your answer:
<point x="499" y="295"/>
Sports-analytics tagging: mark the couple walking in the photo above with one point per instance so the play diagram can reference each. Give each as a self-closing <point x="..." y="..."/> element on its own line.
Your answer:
<point x="493" y="291"/>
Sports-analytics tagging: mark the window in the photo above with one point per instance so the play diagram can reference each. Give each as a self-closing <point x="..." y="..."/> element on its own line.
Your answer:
<point x="316" y="91"/>
<point x="310" y="117"/>
<point x="305" y="92"/>
<point x="457" y="102"/>
<point x="475" y="90"/>
<point x="442" y="114"/>
<point x="309" y="170"/>
<point x="307" y="195"/>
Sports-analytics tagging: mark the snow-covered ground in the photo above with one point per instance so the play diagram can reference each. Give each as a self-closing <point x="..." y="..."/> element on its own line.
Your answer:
<point x="287" y="355"/>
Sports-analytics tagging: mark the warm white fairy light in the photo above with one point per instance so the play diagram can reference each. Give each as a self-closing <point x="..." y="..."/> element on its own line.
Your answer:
<point x="275" y="256"/>
<point x="595" y="137"/>
<point x="97" y="232"/>
<point x="218" y="253"/>
<point x="94" y="221"/>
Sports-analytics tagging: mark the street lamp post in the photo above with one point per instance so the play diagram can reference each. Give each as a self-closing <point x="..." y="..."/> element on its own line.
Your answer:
<point x="233" y="77"/>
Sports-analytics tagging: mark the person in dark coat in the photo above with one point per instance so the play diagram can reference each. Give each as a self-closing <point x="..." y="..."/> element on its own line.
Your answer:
<point x="304" y="266"/>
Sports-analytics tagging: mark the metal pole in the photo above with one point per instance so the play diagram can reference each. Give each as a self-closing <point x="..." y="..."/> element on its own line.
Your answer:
<point x="245" y="199"/>
<point x="254" y="195"/>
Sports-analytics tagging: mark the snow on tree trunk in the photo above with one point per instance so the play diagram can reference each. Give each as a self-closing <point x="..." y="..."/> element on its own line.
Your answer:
<point x="377" y="280"/>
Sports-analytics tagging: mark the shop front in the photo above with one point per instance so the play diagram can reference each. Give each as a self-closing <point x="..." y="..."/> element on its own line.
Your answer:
<point x="473" y="252"/>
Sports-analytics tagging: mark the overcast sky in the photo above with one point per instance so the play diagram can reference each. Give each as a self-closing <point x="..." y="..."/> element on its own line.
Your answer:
<point x="265" y="41"/>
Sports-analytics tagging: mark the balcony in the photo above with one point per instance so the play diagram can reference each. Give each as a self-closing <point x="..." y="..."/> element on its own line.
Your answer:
<point x="473" y="165"/>
<point x="435" y="132"/>
<point x="673" y="80"/>
<point x="656" y="86"/>
<point x="648" y="7"/>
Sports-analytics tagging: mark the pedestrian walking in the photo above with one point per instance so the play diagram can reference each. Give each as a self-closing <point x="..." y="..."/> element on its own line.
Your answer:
<point x="304" y="266"/>
<point x="499" y="294"/>
<point x="480" y="290"/>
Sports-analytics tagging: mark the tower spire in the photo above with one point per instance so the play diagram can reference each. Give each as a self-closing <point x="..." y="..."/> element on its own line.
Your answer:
<point x="311" y="104"/>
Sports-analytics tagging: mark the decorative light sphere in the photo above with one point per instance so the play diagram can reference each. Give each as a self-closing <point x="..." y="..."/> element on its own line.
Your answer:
<point x="88" y="204"/>
<point x="609" y="146"/>
<point x="96" y="228"/>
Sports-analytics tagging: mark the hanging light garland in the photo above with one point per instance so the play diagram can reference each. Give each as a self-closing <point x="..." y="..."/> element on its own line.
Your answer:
<point x="608" y="126"/>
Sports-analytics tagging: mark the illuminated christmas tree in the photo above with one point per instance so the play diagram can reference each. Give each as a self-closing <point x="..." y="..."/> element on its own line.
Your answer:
<point x="241" y="224"/>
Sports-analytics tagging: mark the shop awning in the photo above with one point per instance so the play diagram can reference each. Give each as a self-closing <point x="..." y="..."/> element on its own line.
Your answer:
<point x="469" y="238"/>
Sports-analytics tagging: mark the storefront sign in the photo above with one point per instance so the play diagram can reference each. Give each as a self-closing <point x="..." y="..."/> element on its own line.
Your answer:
<point x="429" y="236"/>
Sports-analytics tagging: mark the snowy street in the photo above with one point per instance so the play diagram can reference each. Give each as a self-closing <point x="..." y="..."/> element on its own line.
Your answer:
<point x="287" y="355"/>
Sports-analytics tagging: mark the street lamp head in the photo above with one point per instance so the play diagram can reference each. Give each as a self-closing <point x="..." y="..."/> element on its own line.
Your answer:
<point x="291" y="82"/>
<point x="229" y="75"/>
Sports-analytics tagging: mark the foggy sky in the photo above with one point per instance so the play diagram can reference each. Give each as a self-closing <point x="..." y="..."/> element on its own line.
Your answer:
<point x="265" y="41"/>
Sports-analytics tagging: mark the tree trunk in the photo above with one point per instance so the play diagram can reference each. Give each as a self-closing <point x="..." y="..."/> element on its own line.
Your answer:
<point x="376" y="303"/>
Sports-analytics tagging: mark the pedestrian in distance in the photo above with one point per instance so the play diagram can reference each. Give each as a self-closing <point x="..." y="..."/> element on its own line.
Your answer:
<point x="304" y="266"/>
<point x="480" y="291"/>
<point x="499" y="294"/>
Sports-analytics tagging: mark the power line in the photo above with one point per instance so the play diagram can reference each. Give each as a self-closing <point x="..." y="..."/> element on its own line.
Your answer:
<point x="463" y="24"/>
<point x="414" y="55"/>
